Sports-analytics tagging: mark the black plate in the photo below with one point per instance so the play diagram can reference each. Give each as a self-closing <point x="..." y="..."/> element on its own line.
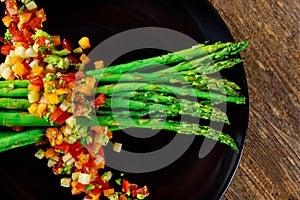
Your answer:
<point x="25" y="177"/>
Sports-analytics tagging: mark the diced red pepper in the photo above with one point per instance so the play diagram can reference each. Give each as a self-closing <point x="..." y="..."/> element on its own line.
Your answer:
<point x="6" y="48"/>
<point x="64" y="147"/>
<point x="17" y="36"/>
<point x="66" y="44"/>
<point x="100" y="100"/>
<point x="59" y="116"/>
<point x="62" y="118"/>
<point x="35" y="23"/>
<point x="54" y="116"/>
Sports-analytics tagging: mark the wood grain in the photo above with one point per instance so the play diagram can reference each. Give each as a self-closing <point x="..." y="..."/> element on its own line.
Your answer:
<point x="270" y="166"/>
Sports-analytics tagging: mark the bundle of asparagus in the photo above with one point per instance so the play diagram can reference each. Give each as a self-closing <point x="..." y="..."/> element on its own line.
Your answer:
<point x="157" y="94"/>
<point x="44" y="96"/>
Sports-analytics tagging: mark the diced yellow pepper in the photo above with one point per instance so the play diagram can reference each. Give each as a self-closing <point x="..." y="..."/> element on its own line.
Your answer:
<point x="84" y="43"/>
<point x="52" y="98"/>
<point x="33" y="108"/>
<point x="62" y="91"/>
<point x="6" y="20"/>
<point x="14" y="60"/>
<point x="37" y="70"/>
<point x="49" y="86"/>
<point x="41" y="110"/>
<point x="19" y="69"/>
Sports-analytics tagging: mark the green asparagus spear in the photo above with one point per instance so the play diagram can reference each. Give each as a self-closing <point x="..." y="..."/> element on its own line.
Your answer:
<point x="186" y="54"/>
<point x="10" y="140"/>
<point x="14" y="84"/>
<point x="18" y="92"/>
<point x="183" y="107"/>
<point x="215" y="56"/>
<point x="113" y="89"/>
<point x="156" y="124"/>
<point x="9" y="103"/>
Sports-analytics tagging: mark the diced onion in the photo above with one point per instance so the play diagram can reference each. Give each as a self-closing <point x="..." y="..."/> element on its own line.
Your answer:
<point x="71" y="139"/>
<point x="33" y="96"/>
<point x="31" y="5"/>
<point x="65" y="105"/>
<point x="7" y="59"/>
<point x="84" y="178"/>
<point x="67" y="157"/>
<point x="6" y="73"/>
<point x="99" y="159"/>
<point x="39" y="154"/>
<point x="19" y="51"/>
<point x="117" y="147"/>
<point x="43" y="99"/>
<point x="65" y="182"/>
<point x="71" y="121"/>
<point x="55" y="158"/>
<point x="70" y="162"/>
<point x="75" y="175"/>
<point x="3" y="66"/>
<point x="33" y="63"/>
<point x="51" y="163"/>
<point x="29" y="52"/>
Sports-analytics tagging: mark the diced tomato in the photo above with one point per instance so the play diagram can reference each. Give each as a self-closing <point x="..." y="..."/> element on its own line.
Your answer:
<point x="17" y="36"/>
<point x="64" y="147"/>
<point x="62" y="118"/>
<point x="77" y="188"/>
<point x="41" y="14"/>
<point x="50" y="152"/>
<point x="69" y="78"/>
<point x="58" y="166"/>
<point x="56" y="40"/>
<point x="27" y="35"/>
<point x="24" y="17"/>
<point x="66" y="44"/>
<point x="57" y="112"/>
<point x="73" y="59"/>
<point x="143" y="191"/>
<point x="36" y="80"/>
<point x="6" y="48"/>
<point x="12" y="7"/>
<point x="100" y="182"/>
<point x="100" y="100"/>
<point x="59" y="116"/>
<point x="125" y="185"/>
<point x="90" y="168"/>
<point x="77" y="149"/>
<point x="35" y="23"/>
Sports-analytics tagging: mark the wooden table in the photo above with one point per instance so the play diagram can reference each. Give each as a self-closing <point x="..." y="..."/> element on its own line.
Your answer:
<point x="270" y="166"/>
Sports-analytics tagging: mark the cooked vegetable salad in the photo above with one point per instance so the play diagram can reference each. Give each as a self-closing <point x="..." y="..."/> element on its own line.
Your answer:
<point x="46" y="97"/>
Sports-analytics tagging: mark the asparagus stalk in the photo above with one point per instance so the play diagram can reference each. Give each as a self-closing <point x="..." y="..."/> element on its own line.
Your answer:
<point x="200" y="82"/>
<point x="113" y="89"/>
<point x="198" y="50"/>
<point x="224" y="53"/>
<point x="35" y="135"/>
<point x="14" y="84"/>
<point x="9" y="103"/>
<point x="183" y="107"/>
<point x="18" y="92"/>
<point x="156" y="124"/>
<point x="10" y="140"/>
